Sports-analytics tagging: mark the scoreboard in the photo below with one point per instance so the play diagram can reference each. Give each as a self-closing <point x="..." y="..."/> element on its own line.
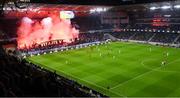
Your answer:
<point x="160" y="20"/>
<point x="67" y="14"/>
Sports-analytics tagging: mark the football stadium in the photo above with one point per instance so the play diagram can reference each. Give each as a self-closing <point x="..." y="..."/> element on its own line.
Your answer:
<point x="125" y="48"/>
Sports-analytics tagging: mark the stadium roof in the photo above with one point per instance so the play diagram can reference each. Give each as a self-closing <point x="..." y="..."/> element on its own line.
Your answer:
<point x="97" y="2"/>
<point x="83" y="10"/>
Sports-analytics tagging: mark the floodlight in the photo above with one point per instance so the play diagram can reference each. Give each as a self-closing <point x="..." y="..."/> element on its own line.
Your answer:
<point x="153" y="8"/>
<point x="166" y="7"/>
<point x="92" y="10"/>
<point x="177" y="6"/>
<point x="99" y="9"/>
<point x="167" y="15"/>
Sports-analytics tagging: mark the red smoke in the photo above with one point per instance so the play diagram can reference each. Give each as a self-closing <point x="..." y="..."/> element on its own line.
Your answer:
<point x="50" y="28"/>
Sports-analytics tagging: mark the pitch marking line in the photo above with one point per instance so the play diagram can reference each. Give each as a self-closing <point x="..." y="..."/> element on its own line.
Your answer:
<point x="133" y="78"/>
<point x="71" y="76"/>
<point x="142" y="63"/>
<point x="106" y="90"/>
<point x="155" y="69"/>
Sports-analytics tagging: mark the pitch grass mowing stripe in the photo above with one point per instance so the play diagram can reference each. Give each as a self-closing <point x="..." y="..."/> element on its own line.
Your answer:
<point x="119" y="67"/>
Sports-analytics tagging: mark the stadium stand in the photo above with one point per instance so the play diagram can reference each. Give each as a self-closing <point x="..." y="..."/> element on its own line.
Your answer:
<point x="90" y="37"/>
<point x="26" y="79"/>
<point x="123" y="35"/>
<point x="142" y="36"/>
<point x="164" y="37"/>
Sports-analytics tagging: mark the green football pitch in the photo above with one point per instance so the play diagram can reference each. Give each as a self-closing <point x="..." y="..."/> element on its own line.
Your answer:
<point x="119" y="68"/>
